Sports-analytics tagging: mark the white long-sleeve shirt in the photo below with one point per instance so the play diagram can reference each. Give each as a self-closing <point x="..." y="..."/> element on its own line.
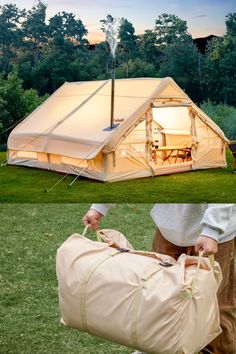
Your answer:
<point x="181" y="224"/>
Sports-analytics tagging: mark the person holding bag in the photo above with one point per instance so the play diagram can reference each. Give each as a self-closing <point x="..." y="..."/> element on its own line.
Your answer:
<point x="190" y="228"/>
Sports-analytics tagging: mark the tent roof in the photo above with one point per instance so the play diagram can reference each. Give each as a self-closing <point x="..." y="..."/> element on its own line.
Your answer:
<point x="78" y="113"/>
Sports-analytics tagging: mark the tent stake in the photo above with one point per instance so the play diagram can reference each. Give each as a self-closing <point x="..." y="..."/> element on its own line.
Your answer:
<point x="3" y="163"/>
<point x="49" y="190"/>
<point x="70" y="185"/>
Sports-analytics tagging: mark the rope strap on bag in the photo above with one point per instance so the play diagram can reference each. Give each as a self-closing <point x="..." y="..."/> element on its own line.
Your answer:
<point x="83" y="289"/>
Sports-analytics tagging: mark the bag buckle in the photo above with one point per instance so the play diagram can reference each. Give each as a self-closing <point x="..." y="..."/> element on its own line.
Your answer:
<point x="122" y="249"/>
<point x="165" y="264"/>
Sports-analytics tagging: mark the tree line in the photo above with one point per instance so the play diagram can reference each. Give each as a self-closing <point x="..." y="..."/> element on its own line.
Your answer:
<point x="38" y="56"/>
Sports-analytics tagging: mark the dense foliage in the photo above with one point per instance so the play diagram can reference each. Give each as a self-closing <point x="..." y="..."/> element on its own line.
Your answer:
<point x="37" y="56"/>
<point x="15" y="103"/>
<point x="224" y="116"/>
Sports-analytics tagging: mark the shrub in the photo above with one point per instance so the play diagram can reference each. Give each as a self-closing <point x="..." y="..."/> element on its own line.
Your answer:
<point x="223" y="115"/>
<point x="15" y="103"/>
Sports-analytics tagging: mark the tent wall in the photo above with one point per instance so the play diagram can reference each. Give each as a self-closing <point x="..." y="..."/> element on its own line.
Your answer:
<point x="129" y="159"/>
<point x="176" y="168"/>
<point x="126" y="168"/>
<point x="210" y="148"/>
<point x="94" y="168"/>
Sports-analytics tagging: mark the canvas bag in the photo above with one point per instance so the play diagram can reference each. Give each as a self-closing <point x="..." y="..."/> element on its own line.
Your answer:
<point x="144" y="300"/>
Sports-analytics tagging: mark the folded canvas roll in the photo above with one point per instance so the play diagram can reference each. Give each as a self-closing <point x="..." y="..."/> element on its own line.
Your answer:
<point x="143" y="300"/>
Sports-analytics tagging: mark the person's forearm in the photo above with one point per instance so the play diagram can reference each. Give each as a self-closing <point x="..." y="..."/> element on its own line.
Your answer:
<point x="102" y="208"/>
<point x="216" y="220"/>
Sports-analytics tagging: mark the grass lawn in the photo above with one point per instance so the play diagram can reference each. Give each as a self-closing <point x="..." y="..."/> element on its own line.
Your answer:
<point x="27" y="185"/>
<point x="30" y="236"/>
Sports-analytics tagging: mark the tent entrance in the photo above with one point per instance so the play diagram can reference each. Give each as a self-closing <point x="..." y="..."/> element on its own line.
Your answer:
<point x="162" y="140"/>
<point x="171" y="136"/>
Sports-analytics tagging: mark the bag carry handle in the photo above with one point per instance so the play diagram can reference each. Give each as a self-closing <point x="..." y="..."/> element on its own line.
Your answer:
<point x="103" y="238"/>
<point x="210" y="257"/>
<point x="212" y="260"/>
<point x="85" y="230"/>
<point x="100" y="236"/>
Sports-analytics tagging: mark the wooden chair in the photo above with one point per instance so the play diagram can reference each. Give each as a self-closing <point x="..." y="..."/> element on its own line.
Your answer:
<point x="184" y="154"/>
<point x="232" y="147"/>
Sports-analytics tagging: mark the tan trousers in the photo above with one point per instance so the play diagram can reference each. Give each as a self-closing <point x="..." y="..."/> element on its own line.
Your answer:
<point x="225" y="343"/>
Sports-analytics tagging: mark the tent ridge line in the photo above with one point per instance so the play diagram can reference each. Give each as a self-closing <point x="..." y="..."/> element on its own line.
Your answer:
<point x="177" y="87"/>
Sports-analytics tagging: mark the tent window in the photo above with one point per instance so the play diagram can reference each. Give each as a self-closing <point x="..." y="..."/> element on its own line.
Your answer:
<point x="134" y="143"/>
<point x="74" y="162"/>
<point x="27" y="155"/>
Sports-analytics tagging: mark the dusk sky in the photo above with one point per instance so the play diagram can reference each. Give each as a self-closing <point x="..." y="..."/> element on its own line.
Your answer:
<point x="204" y="17"/>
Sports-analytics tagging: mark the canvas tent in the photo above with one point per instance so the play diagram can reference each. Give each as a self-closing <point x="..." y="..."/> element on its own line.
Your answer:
<point x="159" y="131"/>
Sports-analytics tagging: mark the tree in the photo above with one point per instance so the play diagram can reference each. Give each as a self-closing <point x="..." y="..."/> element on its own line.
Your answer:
<point x="15" y="103"/>
<point x="10" y="34"/>
<point x="96" y="63"/>
<point x="35" y="29"/>
<point x="128" y="45"/>
<point x="65" y="25"/>
<point x="149" y="48"/>
<point x="231" y="24"/>
<point x="137" y="68"/>
<point x="180" y="61"/>
<point x="220" y="64"/>
<point x="65" y="49"/>
<point x="180" y="57"/>
<point x="169" y="28"/>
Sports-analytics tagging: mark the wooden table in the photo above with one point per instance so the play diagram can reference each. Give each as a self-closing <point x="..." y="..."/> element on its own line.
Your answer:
<point x="171" y="149"/>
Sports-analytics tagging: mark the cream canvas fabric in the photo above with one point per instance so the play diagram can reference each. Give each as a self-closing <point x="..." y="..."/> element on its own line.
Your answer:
<point x="67" y="132"/>
<point x="143" y="300"/>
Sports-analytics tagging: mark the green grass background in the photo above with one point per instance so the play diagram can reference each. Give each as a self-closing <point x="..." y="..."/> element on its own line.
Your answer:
<point x="30" y="236"/>
<point x="27" y="185"/>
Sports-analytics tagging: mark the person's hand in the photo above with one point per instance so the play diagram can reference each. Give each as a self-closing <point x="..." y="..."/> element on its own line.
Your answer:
<point x="92" y="218"/>
<point x="206" y="244"/>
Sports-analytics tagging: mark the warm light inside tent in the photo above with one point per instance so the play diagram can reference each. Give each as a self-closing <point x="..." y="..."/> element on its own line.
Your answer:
<point x="123" y="153"/>
<point x="27" y="154"/>
<point x="74" y="162"/>
<point x="175" y="119"/>
<point x="139" y="149"/>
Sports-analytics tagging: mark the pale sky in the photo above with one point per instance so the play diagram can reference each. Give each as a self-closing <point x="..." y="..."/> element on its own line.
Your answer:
<point x="204" y="17"/>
